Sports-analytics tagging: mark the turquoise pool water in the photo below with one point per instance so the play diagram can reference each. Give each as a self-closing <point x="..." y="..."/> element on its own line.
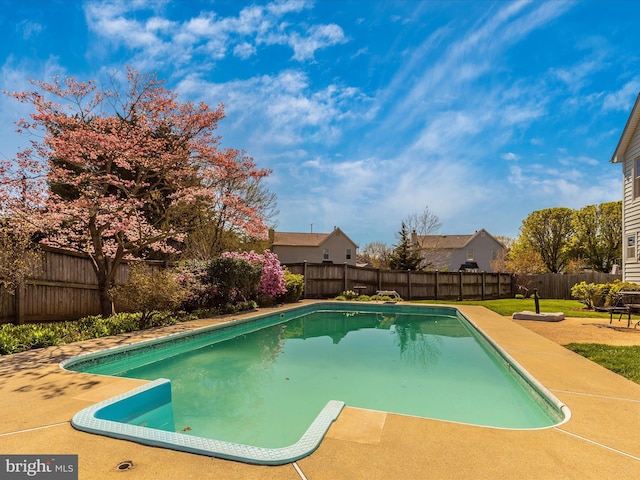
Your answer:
<point x="262" y="383"/>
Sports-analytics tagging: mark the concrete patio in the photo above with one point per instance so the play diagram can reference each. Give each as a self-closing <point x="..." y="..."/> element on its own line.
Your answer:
<point x="601" y="440"/>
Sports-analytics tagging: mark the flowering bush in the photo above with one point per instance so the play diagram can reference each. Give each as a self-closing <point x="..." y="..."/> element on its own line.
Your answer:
<point x="194" y="277"/>
<point x="272" y="281"/>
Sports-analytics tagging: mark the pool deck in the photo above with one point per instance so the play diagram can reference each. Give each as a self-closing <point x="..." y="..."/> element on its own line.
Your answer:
<point x="600" y="441"/>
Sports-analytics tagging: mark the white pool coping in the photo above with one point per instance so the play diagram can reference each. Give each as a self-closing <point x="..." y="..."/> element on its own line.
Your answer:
<point x="87" y="420"/>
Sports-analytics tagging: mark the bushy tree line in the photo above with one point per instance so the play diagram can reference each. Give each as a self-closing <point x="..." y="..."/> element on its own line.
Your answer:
<point x="563" y="240"/>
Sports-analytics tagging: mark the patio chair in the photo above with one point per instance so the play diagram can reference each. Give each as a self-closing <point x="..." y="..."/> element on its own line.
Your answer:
<point x="618" y="308"/>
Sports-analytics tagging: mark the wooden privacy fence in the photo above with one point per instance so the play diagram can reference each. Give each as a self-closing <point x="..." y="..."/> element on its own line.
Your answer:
<point x="325" y="280"/>
<point x="554" y="285"/>
<point x="63" y="287"/>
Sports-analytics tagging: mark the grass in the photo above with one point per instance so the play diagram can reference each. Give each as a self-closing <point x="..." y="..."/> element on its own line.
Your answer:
<point x="508" y="306"/>
<point x="621" y="360"/>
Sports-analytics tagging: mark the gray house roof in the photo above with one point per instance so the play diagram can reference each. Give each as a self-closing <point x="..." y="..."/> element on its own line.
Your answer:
<point x="450" y="242"/>
<point x="296" y="239"/>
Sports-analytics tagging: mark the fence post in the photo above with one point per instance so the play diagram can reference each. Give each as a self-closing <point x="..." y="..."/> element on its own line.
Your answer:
<point x="304" y="273"/>
<point x="460" y="282"/>
<point x="436" y="286"/>
<point x="20" y="303"/>
<point x="379" y="280"/>
<point x="409" y="283"/>
<point x="345" y="276"/>
<point x="484" y="284"/>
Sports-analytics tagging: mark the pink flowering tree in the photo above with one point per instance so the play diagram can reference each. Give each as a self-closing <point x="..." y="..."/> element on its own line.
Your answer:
<point x="272" y="278"/>
<point x="119" y="173"/>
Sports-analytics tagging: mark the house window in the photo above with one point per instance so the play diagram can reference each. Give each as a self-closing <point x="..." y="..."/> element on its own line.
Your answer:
<point x="348" y="254"/>
<point x="631" y="248"/>
<point x="470" y="255"/>
<point x="636" y="178"/>
<point x="325" y="254"/>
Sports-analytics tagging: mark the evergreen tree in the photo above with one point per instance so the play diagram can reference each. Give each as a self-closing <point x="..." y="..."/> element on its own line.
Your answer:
<point x="405" y="255"/>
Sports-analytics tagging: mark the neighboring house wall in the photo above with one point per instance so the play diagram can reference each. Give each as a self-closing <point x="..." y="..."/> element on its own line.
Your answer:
<point x="334" y="247"/>
<point x="628" y="154"/>
<point x="449" y="252"/>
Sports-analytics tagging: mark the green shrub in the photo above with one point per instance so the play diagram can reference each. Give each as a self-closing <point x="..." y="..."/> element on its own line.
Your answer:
<point x="617" y="286"/>
<point x="596" y="295"/>
<point x="588" y="293"/>
<point x="364" y="298"/>
<point x="150" y="292"/>
<point x="44" y="337"/>
<point x="349" y="294"/>
<point x="294" y="283"/>
<point x="385" y="298"/>
<point x="234" y="280"/>
<point x="340" y="298"/>
<point x="9" y="343"/>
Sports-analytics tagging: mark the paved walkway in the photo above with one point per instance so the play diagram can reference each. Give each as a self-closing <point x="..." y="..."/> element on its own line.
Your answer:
<point x="601" y="441"/>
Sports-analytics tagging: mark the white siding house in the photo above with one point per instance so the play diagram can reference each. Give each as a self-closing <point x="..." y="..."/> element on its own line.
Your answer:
<point x="628" y="154"/>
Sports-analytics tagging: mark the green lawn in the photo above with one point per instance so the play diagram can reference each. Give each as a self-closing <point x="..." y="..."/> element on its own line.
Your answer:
<point x="622" y="360"/>
<point x="507" y="306"/>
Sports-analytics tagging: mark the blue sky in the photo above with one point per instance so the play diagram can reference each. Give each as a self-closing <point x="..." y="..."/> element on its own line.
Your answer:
<point x="369" y="111"/>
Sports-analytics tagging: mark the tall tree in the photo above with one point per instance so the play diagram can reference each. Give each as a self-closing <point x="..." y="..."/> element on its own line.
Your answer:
<point x="121" y="172"/>
<point x="376" y="253"/>
<point x="423" y="227"/>
<point x="548" y="233"/>
<point x="598" y="235"/>
<point x="406" y="254"/>
<point x="218" y="227"/>
<point x="423" y="223"/>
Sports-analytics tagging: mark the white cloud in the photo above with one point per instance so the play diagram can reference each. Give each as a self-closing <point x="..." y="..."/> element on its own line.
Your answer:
<point x="509" y="156"/>
<point x="578" y="160"/>
<point x="244" y="50"/>
<point x="161" y="40"/>
<point x="29" y="29"/>
<point x="623" y="99"/>
<point x="319" y="36"/>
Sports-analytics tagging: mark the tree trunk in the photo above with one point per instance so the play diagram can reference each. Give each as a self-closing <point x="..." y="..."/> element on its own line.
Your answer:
<point x="106" y="302"/>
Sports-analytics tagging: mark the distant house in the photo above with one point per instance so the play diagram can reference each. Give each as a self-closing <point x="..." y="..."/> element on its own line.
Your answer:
<point x="474" y="252"/>
<point x="628" y="154"/>
<point x="334" y="247"/>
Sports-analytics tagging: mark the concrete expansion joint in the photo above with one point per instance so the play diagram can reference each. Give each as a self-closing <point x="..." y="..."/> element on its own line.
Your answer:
<point x="299" y="471"/>
<point x="607" y="397"/>
<point x="34" y="428"/>
<point x="593" y="442"/>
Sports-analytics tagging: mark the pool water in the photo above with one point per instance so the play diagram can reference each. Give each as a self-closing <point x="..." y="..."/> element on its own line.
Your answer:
<point x="265" y="387"/>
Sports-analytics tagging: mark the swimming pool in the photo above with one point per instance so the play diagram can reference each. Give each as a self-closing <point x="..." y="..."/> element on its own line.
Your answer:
<point x="263" y="380"/>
